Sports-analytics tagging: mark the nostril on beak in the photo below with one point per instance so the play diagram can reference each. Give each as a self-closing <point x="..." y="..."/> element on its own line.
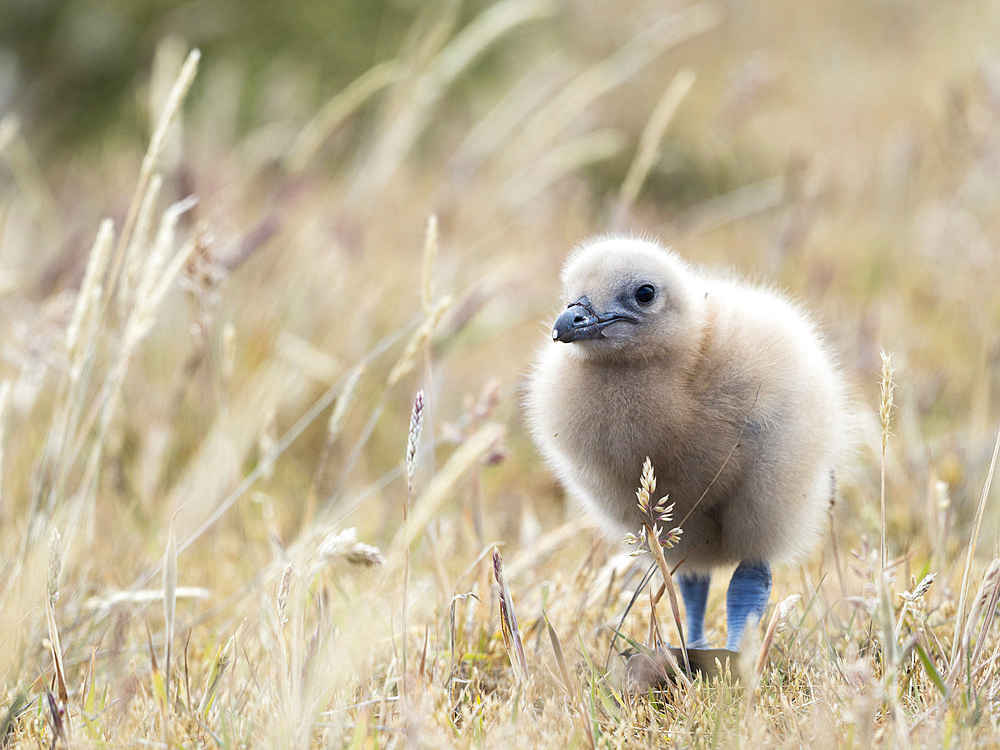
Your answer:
<point x="578" y="320"/>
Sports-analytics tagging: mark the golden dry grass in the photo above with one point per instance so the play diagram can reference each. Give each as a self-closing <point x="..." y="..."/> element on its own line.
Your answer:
<point x="206" y="405"/>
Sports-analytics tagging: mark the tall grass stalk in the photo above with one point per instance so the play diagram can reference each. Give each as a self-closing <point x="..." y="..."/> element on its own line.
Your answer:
<point x="649" y="141"/>
<point x="263" y="465"/>
<point x="410" y="460"/>
<point x="959" y="644"/>
<point x="66" y="434"/>
<point x="161" y="271"/>
<point x="337" y="110"/>
<point x="171" y="110"/>
<point x="560" y="160"/>
<point x="334" y="426"/>
<point x="651" y="536"/>
<point x="428" y="296"/>
<point x="885" y="416"/>
<point x="169" y="604"/>
<point x="401" y="131"/>
<point x="55" y="645"/>
<point x="141" y="238"/>
<point x="429" y="502"/>
<point x="508" y="622"/>
<point x="82" y="343"/>
<point x="563" y="110"/>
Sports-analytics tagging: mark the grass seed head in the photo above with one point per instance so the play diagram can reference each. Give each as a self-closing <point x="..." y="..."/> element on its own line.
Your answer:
<point x="508" y="620"/>
<point x="413" y="439"/>
<point x="55" y="564"/>
<point x="886" y="397"/>
<point x="991" y="579"/>
<point x="343" y="546"/>
<point x="919" y="590"/>
<point x="281" y="600"/>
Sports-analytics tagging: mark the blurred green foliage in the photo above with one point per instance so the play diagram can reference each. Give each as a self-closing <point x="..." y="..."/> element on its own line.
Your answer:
<point x="69" y="68"/>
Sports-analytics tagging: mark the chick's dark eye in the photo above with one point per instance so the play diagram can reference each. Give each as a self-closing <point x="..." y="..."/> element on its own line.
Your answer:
<point x="645" y="294"/>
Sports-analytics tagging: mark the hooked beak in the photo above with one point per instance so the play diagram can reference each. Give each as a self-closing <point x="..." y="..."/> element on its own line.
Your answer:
<point x="579" y="321"/>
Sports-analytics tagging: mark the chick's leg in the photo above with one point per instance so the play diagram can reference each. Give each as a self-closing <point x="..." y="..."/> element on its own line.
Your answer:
<point x="748" y="592"/>
<point x="694" y="589"/>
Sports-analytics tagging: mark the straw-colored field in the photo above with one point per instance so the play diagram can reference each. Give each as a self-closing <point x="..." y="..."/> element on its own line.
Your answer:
<point x="210" y="532"/>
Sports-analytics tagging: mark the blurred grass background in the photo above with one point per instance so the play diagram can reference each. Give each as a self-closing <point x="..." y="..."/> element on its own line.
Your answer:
<point x="847" y="152"/>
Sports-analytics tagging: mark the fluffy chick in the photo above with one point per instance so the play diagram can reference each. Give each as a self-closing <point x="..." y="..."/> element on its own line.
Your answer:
<point x="727" y="387"/>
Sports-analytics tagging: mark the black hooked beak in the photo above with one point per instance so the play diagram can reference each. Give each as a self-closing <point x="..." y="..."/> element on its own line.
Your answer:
<point x="579" y="321"/>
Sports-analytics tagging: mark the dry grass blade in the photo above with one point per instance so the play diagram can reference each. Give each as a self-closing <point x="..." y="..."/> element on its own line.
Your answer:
<point x="654" y="638"/>
<point x="55" y="568"/>
<point x="890" y="646"/>
<point x="427" y="295"/>
<point x="336" y="111"/>
<point x="161" y="269"/>
<point x="561" y="160"/>
<point x="501" y="124"/>
<point x="159" y="687"/>
<point x="90" y="290"/>
<point x="405" y="127"/>
<point x="134" y="257"/>
<point x="567" y="681"/>
<point x="989" y="596"/>
<point x="740" y="203"/>
<point x="453" y="629"/>
<point x="307" y="418"/>
<point x="408" y="359"/>
<point x="675" y="610"/>
<point x="569" y="686"/>
<point x="649" y="141"/>
<point x="565" y="108"/>
<point x="9" y="721"/>
<point x="81" y="349"/>
<point x="142" y="597"/>
<point x="9" y="126"/>
<point x="334" y="426"/>
<point x="220" y="665"/>
<point x="169" y="601"/>
<point x="508" y="622"/>
<point x="170" y="112"/>
<point x="778" y="618"/>
<point x="429" y="502"/>
<point x="958" y="641"/>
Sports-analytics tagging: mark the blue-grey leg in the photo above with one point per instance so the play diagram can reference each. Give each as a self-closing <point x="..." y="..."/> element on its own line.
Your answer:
<point x="694" y="589"/>
<point x="748" y="592"/>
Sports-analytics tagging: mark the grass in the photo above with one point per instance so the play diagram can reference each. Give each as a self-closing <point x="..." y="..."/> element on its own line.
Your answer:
<point x="222" y="521"/>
